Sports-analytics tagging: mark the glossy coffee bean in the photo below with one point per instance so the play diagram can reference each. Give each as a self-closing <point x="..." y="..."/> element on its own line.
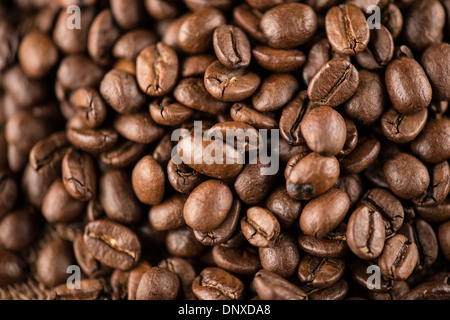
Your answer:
<point x="130" y="44"/>
<point x="332" y="245"/>
<point x="248" y="19"/>
<point x="275" y="92"/>
<point x="401" y="128"/>
<point x="186" y="274"/>
<point x="270" y="286"/>
<point x="217" y="284"/>
<point x="362" y="157"/>
<point x="444" y="239"/>
<point x="168" y="112"/>
<point x="283" y="207"/>
<point x="242" y="261"/>
<point x="379" y="51"/>
<point x="182" y="243"/>
<point x="123" y="155"/>
<point x="241" y="112"/>
<point x="260" y="227"/>
<point x="279" y="60"/>
<point x="91" y="140"/>
<point x="12" y="268"/>
<point x="168" y="214"/>
<point x="439" y="186"/>
<point x="252" y="185"/>
<point x="112" y="244"/>
<point x="158" y="284"/>
<point x="182" y="178"/>
<point x="318" y="272"/>
<point x="148" y="181"/>
<point x="437" y="71"/>
<point x="138" y="127"/>
<point x="196" y="65"/>
<point x="86" y="260"/>
<point x="19" y="229"/>
<point x="232" y="47"/>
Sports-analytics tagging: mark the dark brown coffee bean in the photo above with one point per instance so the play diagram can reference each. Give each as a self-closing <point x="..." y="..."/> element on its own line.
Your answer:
<point x="324" y="213"/>
<point x="46" y="155"/>
<point x="367" y="104"/>
<point x="185" y="272"/>
<point x="334" y="83"/>
<point x="243" y="136"/>
<point x="103" y="33"/>
<point x="52" y="262"/>
<point x="318" y="55"/>
<point x="270" y="286"/>
<point x="86" y="260"/>
<point x="332" y="245"/>
<point x="196" y="65"/>
<point x="437" y="213"/>
<point x="90" y="289"/>
<point x="217" y="284"/>
<point x="352" y="185"/>
<point x="392" y="18"/>
<point x="182" y="178"/>
<point x="78" y="71"/>
<point x="444" y="239"/>
<point x="282" y="258"/>
<point x="168" y="214"/>
<point x="288" y="25"/>
<point x="148" y="181"/>
<point x="163" y="150"/>
<point x="260" y="227"/>
<point x="157" y="69"/>
<point x="358" y="270"/>
<point x="249" y="19"/>
<point x="241" y="112"/>
<point x="243" y="261"/>
<point x="424" y="24"/>
<point x="399" y="258"/>
<point x="162" y="9"/>
<point x="158" y="284"/>
<point x="138" y="127"/>
<point x="225" y="230"/>
<point x="347" y="29"/>
<point x="226" y="84"/>
<point x="232" y="47"/>
<point x="130" y="44"/>
<point x="432" y="144"/>
<point x="191" y="92"/>
<point x="326" y="140"/>
<point x="366" y="233"/>
<point x="407" y="85"/>
<point x="316" y="272"/>
<point x="208" y="205"/>
<point x="283" y="207"/>
<point x="34" y="187"/>
<point x="127" y="14"/>
<point x="439" y="186"/>
<point x="437" y="70"/>
<point x="429" y="291"/>
<point x="401" y="128"/>
<point x="112" y="244"/>
<point x="275" y="91"/>
<point x="365" y="154"/>
<point x="279" y="60"/>
<point x="312" y="176"/>
<point x="9" y="192"/>
<point x="380" y="50"/>
<point x="19" y="229"/>
<point x="123" y="155"/>
<point x="79" y="175"/>
<point x="168" y="112"/>
<point x="92" y="140"/>
<point x="37" y="54"/>
<point x="406" y="176"/>
<point x="195" y="35"/>
<point x="12" y="268"/>
<point x="59" y="206"/>
<point x="182" y="243"/>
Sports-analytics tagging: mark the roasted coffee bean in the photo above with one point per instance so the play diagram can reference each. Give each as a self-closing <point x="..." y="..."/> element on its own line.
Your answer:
<point x="366" y="233"/>
<point x="9" y="192"/>
<point x="429" y="291"/>
<point x="127" y="14"/>
<point x="324" y="213"/>
<point x="227" y="84"/>
<point x="326" y="140"/>
<point x="12" y="268"/>
<point x="130" y="44"/>
<point x="318" y="272"/>
<point x="407" y="85"/>
<point x="439" y="186"/>
<point x="90" y="289"/>
<point x="249" y="20"/>
<point x="367" y="104"/>
<point x="59" y="206"/>
<point x="401" y="128"/>
<point x="37" y="54"/>
<point x="399" y="258"/>
<point x="185" y="272"/>
<point x="288" y="25"/>
<point x="208" y="205"/>
<point x="332" y="245"/>
<point x="168" y="112"/>
<point x="422" y="234"/>
<point x="168" y="214"/>
<point x="34" y="186"/>
<point x="157" y="69"/>
<point x="90" y="106"/>
<point x="292" y="117"/>
<point x="279" y="60"/>
<point x="312" y="176"/>
<point x="78" y="71"/>
<point x="91" y="140"/>
<point x="225" y="230"/>
<point x="432" y="144"/>
<point x="352" y="185"/>
<point x="292" y="162"/>
<point x="138" y="127"/>
<point x="162" y="9"/>
<point x="195" y="35"/>
<point x="283" y="207"/>
<point x="242" y="136"/>
<point x="406" y="176"/>
<point x="444" y="239"/>
<point x="275" y="91"/>
<point x="437" y="213"/>
<point x="182" y="243"/>
<point x="112" y="244"/>
<point x="148" y="181"/>
<point x="358" y="270"/>
<point x="19" y="229"/>
<point x="318" y="55"/>
<point x="86" y="260"/>
<point x="117" y="197"/>
<point x="338" y="291"/>
<point x="52" y="262"/>
<point x="182" y="178"/>
<point x="379" y="51"/>
<point x="362" y="157"/>
<point x="424" y="24"/>
<point x="217" y="284"/>
<point x="334" y="83"/>
<point x="260" y="227"/>
<point x="241" y="112"/>
<point x="282" y="258"/>
<point x="392" y="19"/>
<point x="243" y="261"/>
<point x="196" y="65"/>
<point x="123" y="154"/>
<point x="79" y="175"/>
<point x="232" y="47"/>
<point x="432" y="61"/>
<point x="347" y="29"/>
<point x="158" y="284"/>
<point x="270" y="286"/>
<point x="197" y="5"/>
<point x="191" y="92"/>
<point x="399" y="288"/>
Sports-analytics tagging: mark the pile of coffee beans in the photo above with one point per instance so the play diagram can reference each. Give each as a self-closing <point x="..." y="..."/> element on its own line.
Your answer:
<point x="353" y="96"/>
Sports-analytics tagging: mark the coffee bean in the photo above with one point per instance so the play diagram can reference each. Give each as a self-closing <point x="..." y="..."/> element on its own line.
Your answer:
<point x="91" y="140"/>
<point x="241" y="112"/>
<point x="86" y="260"/>
<point x="138" y="127"/>
<point x="90" y="289"/>
<point x="288" y="25"/>
<point x="158" y="284"/>
<point x="429" y="291"/>
<point x="78" y="71"/>
<point x="162" y="10"/>
<point x="127" y="14"/>
<point x="399" y="258"/>
<point x="9" y="192"/>
<point x="392" y="19"/>
<point x="444" y="239"/>
<point x="437" y="213"/>
<point x="338" y="291"/>
<point x="232" y="47"/>
<point x="148" y="181"/>
<point x="282" y="258"/>
<point x="112" y="244"/>
<point x="260" y="227"/>
<point x="318" y="55"/>
<point x="270" y="286"/>
<point x="347" y="30"/>
<point x="318" y="272"/>
<point x="379" y="51"/>
<point x="283" y="207"/>
<point x="19" y="229"/>
<point x="168" y="214"/>
<point x="401" y="128"/>
<point x="182" y="178"/>
<point x="168" y="112"/>
<point x="12" y="268"/>
<point x="249" y="20"/>
<point x="324" y="213"/>
<point x="436" y="71"/>
<point x="157" y="69"/>
<point x="123" y="155"/>
<point x="279" y="60"/>
<point x="243" y="261"/>
<point x="275" y="91"/>
<point x="332" y="245"/>
<point x="182" y="243"/>
<point x="217" y="284"/>
<point x="439" y="186"/>
<point x="196" y="65"/>
<point x="334" y="83"/>
<point x="363" y="156"/>
<point x="352" y="185"/>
